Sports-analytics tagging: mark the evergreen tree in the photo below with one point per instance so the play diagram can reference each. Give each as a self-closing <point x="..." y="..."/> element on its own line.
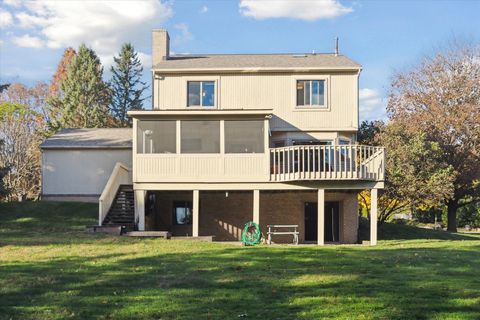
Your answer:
<point x="85" y="99"/>
<point x="126" y="84"/>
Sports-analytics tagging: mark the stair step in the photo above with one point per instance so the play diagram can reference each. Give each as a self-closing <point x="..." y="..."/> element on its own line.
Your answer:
<point x="122" y="211"/>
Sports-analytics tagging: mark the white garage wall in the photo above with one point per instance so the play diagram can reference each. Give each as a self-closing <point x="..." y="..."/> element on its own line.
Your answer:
<point x="82" y="172"/>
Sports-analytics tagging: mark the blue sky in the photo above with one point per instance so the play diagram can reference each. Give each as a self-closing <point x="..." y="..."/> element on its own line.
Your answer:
<point x="384" y="36"/>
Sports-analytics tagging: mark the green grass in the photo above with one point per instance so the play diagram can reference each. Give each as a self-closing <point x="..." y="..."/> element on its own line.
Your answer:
<point x="51" y="269"/>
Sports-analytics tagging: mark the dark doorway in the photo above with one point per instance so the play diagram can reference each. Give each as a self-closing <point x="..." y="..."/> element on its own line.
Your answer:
<point x="332" y="221"/>
<point x="311" y="221"/>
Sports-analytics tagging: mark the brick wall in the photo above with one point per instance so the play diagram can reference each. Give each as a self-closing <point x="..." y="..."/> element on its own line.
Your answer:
<point x="224" y="217"/>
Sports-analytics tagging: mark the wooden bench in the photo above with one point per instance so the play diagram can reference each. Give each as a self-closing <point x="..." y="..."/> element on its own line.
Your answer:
<point x="274" y="227"/>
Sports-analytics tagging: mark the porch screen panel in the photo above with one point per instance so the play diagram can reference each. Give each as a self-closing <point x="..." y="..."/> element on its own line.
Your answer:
<point x="200" y="136"/>
<point x="244" y="136"/>
<point x="156" y="137"/>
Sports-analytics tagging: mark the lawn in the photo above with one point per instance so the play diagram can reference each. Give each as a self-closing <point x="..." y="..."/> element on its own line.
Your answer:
<point x="50" y="268"/>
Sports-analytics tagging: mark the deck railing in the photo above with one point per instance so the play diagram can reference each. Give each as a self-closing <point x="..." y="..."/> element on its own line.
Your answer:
<point x="330" y="162"/>
<point x="121" y="174"/>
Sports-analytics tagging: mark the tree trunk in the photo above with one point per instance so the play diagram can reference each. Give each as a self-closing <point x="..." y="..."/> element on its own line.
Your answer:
<point x="452" y="207"/>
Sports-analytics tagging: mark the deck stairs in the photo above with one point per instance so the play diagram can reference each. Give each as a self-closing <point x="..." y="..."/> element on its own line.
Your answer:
<point x="122" y="210"/>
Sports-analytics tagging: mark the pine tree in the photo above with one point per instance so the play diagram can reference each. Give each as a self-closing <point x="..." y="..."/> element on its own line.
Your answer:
<point x="126" y="84"/>
<point x="85" y="96"/>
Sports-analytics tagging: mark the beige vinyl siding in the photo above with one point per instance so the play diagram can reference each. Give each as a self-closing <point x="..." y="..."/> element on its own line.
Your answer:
<point x="273" y="90"/>
<point x="202" y="167"/>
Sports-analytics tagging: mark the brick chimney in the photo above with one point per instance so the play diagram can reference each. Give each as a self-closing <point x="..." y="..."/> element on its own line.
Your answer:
<point x="160" y="46"/>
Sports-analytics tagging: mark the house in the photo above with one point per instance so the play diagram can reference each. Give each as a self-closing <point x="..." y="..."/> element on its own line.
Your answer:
<point x="233" y="138"/>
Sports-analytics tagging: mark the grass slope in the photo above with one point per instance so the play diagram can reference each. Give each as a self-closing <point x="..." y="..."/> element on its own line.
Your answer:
<point x="51" y="269"/>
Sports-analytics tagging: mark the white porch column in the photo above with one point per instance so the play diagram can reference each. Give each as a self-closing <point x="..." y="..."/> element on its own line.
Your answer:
<point x="195" y="218"/>
<point x="256" y="206"/>
<point x="321" y="217"/>
<point x="373" y="216"/>
<point x="140" y="209"/>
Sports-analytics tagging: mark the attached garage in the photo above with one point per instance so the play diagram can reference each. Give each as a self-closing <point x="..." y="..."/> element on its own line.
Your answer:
<point x="76" y="163"/>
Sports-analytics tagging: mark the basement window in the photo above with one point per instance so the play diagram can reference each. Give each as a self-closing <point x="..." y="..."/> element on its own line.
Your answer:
<point x="201" y="94"/>
<point x="182" y="212"/>
<point x="311" y="93"/>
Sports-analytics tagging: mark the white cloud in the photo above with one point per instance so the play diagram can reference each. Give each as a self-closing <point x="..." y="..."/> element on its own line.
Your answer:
<point x="27" y="21"/>
<point x="297" y="9"/>
<point x="146" y="60"/>
<point x="28" y="41"/>
<point x="204" y="9"/>
<point x="101" y="25"/>
<point x="372" y="105"/>
<point x="185" y="34"/>
<point x="13" y="3"/>
<point x="6" y="18"/>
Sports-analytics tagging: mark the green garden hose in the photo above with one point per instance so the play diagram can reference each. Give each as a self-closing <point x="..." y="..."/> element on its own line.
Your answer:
<point x="251" y="234"/>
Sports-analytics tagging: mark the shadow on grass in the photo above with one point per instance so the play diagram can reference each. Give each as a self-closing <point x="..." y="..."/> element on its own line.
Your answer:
<point x="41" y="222"/>
<point x="160" y="279"/>
<point x="219" y="282"/>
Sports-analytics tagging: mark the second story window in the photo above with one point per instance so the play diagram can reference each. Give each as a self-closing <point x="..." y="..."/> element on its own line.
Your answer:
<point x="311" y="93"/>
<point x="201" y="94"/>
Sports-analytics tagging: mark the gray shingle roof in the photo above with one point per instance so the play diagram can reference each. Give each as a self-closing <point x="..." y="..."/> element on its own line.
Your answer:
<point x="266" y="61"/>
<point x="105" y="138"/>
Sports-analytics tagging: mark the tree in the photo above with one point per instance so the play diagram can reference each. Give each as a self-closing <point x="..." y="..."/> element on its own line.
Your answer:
<point x="21" y="135"/>
<point x="413" y="175"/>
<point x="368" y="131"/>
<point x="85" y="96"/>
<point x="3" y="170"/>
<point x="4" y="87"/>
<point x="441" y="98"/>
<point x="4" y="192"/>
<point x="55" y="106"/>
<point x="35" y="97"/>
<point x="62" y="71"/>
<point x="126" y="84"/>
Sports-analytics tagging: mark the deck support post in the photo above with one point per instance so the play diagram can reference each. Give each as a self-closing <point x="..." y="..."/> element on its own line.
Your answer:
<point x="195" y="213"/>
<point x="140" y="209"/>
<point x="256" y="206"/>
<point x="321" y="217"/>
<point x="373" y="216"/>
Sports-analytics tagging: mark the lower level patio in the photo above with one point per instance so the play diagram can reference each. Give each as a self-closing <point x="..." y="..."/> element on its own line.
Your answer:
<point x="223" y="214"/>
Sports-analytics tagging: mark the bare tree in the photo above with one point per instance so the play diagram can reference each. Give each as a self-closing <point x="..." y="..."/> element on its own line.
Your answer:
<point x="22" y="128"/>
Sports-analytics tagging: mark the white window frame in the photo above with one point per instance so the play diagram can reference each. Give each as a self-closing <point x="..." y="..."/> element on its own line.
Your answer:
<point x="201" y="80"/>
<point x="326" y="102"/>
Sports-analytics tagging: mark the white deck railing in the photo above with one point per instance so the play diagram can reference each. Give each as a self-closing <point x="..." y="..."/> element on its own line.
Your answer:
<point x="330" y="162"/>
<point x="121" y="174"/>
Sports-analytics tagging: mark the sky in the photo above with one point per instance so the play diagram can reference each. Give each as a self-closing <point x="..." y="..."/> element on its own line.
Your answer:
<point x="385" y="37"/>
